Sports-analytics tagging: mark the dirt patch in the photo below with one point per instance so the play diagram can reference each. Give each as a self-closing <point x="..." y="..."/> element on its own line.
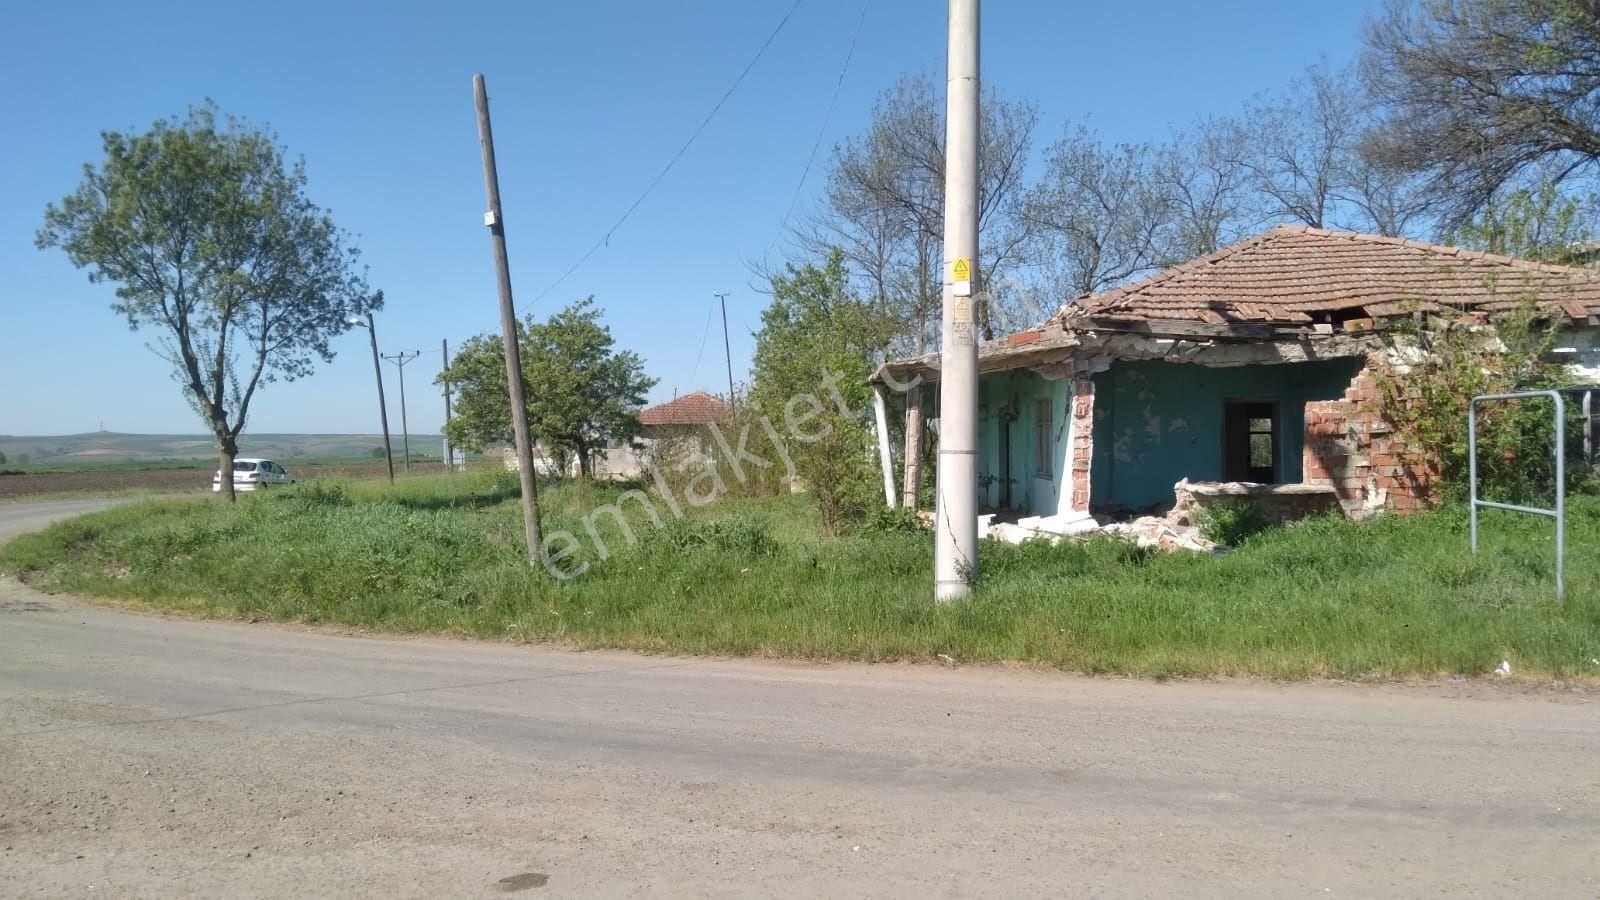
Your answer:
<point x="159" y="480"/>
<point x="110" y="482"/>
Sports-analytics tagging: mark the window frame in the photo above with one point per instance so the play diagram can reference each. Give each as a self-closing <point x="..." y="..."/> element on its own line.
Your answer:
<point x="1044" y="438"/>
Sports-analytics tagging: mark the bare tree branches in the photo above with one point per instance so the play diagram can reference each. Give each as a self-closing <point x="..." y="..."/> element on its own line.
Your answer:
<point x="1480" y="91"/>
<point x="884" y="203"/>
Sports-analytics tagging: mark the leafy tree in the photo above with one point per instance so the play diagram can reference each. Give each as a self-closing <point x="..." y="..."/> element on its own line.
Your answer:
<point x="1484" y="92"/>
<point x="207" y="232"/>
<point x="1537" y="224"/>
<point x="813" y="355"/>
<point x="581" y="392"/>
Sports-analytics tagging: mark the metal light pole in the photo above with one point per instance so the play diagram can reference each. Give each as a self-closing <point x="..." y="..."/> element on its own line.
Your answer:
<point x="400" y="359"/>
<point x="444" y="354"/>
<point x="377" y="370"/>
<point x="956" y="516"/>
<point x="495" y="219"/>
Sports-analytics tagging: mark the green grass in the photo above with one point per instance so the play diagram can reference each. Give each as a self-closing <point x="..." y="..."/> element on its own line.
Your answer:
<point x="1396" y="598"/>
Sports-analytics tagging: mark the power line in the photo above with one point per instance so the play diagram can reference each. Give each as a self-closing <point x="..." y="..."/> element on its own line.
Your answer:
<point x="826" y="116"/>
<point x="710" y="311"/>
<point x="606" y="239"/>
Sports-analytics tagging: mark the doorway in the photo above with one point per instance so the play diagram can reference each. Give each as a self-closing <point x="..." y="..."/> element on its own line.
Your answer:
<point x="1250" y="430"/>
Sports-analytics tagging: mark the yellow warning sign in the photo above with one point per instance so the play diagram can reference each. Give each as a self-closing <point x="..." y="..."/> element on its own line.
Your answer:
<point x="961" y="270"/>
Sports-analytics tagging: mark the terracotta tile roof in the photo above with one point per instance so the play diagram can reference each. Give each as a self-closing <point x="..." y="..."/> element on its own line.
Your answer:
<point x="698" y="408"/>
<point x="1294" y="275"/>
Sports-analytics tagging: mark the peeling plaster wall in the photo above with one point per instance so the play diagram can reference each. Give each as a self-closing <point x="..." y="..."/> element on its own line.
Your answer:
<point x="1157" y="422"/>
<point x="1019" y="391"/>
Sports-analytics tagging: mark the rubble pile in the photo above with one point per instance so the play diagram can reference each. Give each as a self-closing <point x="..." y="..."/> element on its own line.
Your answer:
<point x="1177" y="530"/>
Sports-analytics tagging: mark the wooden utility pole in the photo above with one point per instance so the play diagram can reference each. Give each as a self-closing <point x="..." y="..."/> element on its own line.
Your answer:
<point x="508" y="328"/>
<point x="727" y="354"/>
<point x="377" y="370"/>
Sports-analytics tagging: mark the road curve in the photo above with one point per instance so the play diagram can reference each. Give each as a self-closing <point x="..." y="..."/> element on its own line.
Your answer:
<point x="144" y="756"/>
<point x="20" y="518"/>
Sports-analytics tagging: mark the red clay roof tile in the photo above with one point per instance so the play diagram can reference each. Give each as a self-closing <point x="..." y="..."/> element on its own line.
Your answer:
<point x="1282" y="275"/>
<point x="698" y="408"/>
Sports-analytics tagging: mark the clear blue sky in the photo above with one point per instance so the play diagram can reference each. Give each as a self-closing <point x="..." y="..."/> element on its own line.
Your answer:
<point x="590" y="100"/>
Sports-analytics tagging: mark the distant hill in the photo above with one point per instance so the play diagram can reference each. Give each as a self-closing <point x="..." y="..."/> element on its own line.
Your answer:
<point x="112" y="447"/>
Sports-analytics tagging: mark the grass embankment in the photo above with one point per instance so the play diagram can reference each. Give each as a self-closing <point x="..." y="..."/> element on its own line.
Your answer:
<point x="1394" y="598"/>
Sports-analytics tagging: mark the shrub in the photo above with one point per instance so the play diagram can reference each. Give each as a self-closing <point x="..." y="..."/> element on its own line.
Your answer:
<point x="1231" y="524"/>
<point x="894" y="520"/>
<point x="315" y="494"/>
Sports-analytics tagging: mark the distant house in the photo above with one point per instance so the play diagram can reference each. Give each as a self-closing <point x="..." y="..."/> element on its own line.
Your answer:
<point x="695" y="410"/>
<point x="671" y="433"/>
<point x="1257" y="364"/>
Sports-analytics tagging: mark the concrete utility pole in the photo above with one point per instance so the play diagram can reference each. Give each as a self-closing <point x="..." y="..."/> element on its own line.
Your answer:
<point x="400" y="359"/>
<point x="956" y="518"/>
<point x="495" y="219"/>
<point x="377" y="369"/>
<point x="727" y="354"/>
<point x="444" y="366"/>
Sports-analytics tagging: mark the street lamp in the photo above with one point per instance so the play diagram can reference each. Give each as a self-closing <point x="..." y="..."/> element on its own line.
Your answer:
<point x="377" y="369"/>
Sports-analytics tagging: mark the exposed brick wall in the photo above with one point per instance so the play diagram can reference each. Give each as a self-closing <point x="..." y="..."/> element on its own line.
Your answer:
<point x="1349" y="445"/>
<point x="1082" y="441"/>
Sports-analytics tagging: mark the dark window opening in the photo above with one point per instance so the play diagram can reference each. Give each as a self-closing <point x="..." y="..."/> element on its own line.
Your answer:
<point x="1250" y="442"/>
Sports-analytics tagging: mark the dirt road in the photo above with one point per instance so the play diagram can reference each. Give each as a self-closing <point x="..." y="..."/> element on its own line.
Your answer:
<point x="142" y="756"/>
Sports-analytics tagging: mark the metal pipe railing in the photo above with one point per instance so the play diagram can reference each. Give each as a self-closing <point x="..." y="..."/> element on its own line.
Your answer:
<point x="1560" y="449"/>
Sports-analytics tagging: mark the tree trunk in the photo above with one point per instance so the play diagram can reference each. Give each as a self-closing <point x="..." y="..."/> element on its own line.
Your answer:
<point x="913" y="479"/>
<point x="227" y="450"/>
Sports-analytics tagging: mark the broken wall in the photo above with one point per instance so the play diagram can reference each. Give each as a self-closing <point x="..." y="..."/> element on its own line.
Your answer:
<point x="1156" y="423"/>
<point x="1350" y="446"/>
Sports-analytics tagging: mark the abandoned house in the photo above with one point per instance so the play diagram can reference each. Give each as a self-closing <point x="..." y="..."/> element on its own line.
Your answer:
<point x="1251" y="371"/>
<point x="676" y="428"/>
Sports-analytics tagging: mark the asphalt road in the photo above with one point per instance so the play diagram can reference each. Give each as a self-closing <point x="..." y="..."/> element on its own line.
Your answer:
<point x="143" y="756"/>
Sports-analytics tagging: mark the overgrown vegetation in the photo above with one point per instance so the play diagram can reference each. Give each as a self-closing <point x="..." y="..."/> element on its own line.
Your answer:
<point x="1428" y="403"/>
<point x="1231" y="524"/>
<point x="813" y="355"/>
<point x="1392" y="598"/>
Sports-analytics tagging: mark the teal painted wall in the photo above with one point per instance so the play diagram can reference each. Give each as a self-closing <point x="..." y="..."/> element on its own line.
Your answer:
<point x="1019" y="392"/>
<point x="1157" y="422"/>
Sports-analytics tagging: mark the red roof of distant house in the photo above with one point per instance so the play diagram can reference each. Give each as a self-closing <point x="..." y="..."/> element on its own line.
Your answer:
<point x="698" y="408"/>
